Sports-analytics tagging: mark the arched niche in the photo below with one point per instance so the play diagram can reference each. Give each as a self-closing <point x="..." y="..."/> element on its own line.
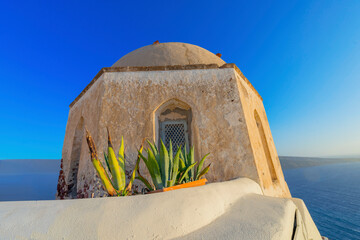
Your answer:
<point x="75" y="158"/>
<point x="173" y="121"/>
<point x="264" y="143"/>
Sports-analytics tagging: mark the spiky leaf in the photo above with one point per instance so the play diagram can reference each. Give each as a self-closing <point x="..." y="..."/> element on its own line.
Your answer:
<point x="175" y="169"/>
<point x="155" y="152"/>
<point x="146" y="182"/>
<point x="199" y="167"/>
<point x="153" y="168"/>
<point x="140" y="177"/>
<point x="204" y="171"/>
<point x="115" y="166"/>
<point x="114" y="169"/>
<point x="98" y="166"/>
<point x="164" y="163"/>
<point x="121" y="159"/>
<point x="107" y="162"/>
<point x="133" y="175"/>
<point x="170" y="159"/>
<point x="186" y="172"/>
<point x="192" y="161"/>
<point x="182" y="166"/>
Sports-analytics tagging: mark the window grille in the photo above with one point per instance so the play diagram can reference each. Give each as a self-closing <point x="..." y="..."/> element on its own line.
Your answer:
<point x="176" y="131"/>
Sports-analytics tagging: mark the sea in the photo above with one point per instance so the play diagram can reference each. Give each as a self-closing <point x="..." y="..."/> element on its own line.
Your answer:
<point x="330" y="192"/>
<point x="332" y="196"/>
<point x="26" y="187"/>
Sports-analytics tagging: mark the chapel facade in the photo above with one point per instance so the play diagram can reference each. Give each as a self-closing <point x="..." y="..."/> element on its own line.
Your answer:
<point x="172" y="91"/>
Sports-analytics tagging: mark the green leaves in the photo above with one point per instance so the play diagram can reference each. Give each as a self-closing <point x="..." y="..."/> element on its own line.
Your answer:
<point x="164" y="163"/>
<point x="184" y="174"/>
<point x="121" y="159"/>
<point x="175" y="169"/>
<point x="167" y="170"/>
<point x="203" y="172"/>
<point x="154" y="169"/>
<point x="188" y="166"/>
<point x="199" y="167"/>
<point x="158" y="164"/>
<point x="98" y="166"/>
<point x="116" y="184"/>
<point x="117" y="167"/>
<point x="170" y="159"/>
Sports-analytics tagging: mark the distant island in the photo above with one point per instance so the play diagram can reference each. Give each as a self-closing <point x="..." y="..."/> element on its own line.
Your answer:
<point x="299" y="162"/>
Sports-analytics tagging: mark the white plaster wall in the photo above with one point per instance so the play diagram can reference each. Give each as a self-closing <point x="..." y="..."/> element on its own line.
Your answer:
<point x="227" y="210"/>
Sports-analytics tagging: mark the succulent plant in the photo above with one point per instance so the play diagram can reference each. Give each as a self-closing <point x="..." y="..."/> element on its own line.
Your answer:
<point x="188" y="167"/>
<point x="162" y="165"/>
<point x="167" y="170"/>
<point x="116" y="184"/>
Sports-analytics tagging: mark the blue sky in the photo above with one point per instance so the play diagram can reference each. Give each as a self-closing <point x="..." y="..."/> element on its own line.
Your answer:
<point x="303" y="57"/>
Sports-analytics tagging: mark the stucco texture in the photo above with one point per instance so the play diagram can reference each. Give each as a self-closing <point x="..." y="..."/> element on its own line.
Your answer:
<point x="222" y="103"/>
<point x="168" y="54"/>
<point x="265" y="163"/>
<point x="228" y="210"/>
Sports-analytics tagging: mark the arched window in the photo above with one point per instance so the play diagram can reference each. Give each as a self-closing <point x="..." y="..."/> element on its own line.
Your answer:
<point x="265" y="146"/>
<point x="173" y="122"/>
<point x="75" y="158"/>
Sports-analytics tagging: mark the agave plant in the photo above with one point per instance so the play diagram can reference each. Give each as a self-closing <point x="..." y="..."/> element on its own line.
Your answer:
<point x="189" y="171"/>
<point x="116" y="184"/>
<point x="162" y="165"/>
<point x="167" y="170"/>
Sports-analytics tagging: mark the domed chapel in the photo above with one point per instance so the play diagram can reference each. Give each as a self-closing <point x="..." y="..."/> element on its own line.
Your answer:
<point x="174" y="91"/>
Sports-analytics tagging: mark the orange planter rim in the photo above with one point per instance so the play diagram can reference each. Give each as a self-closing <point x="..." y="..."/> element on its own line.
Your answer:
<point x="196" y="183"/>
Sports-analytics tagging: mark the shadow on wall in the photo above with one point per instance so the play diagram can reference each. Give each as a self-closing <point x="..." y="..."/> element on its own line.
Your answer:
<point x="265" y="146"/>
<point x="75" y="158"/>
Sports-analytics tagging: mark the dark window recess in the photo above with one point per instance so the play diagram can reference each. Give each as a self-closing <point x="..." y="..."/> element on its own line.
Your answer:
<point x="177" y="132"/>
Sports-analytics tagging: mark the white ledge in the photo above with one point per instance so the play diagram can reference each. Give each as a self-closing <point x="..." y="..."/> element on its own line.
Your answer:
<point x="189" y="213"/>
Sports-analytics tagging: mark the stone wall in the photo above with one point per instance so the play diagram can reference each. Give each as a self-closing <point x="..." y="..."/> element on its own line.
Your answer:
<point x="87" y="108"/>
<point x="251" y="104"/>
<point x="222" y="103"/>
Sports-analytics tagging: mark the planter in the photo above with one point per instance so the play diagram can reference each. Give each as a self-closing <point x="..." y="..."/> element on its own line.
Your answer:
<point x="197" y="183"/>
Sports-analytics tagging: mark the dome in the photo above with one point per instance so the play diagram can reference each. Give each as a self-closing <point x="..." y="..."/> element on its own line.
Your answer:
<point x="168" y="54"/>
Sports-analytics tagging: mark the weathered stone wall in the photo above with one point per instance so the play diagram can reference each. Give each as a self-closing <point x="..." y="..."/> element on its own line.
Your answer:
<point x="222" y="104"/>
<point x="131" y="98"/>
<point x="251" y="102"/>
<point x="88" y="108"/>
